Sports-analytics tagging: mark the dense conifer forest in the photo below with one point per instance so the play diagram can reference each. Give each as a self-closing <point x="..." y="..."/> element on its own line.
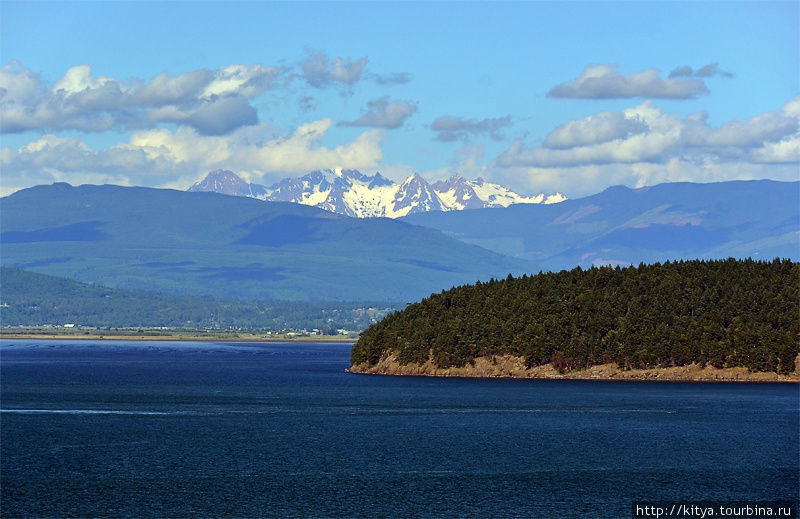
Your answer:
<point x="723" y="313"/>
<point x="31" y="299"/>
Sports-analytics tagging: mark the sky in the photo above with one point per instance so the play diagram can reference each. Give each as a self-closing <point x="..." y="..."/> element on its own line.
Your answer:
<point x="571" y="97"/>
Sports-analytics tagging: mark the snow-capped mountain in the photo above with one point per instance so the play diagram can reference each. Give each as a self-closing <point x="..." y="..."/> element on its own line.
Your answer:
<point x="350" y="192"/>
<point x="228" y="183"/>
<point x="459" y="193"/>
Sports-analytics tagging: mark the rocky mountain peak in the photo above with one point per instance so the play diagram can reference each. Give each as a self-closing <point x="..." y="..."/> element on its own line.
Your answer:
<point x="350" y="192"/>
<point x="223" y="181"/>
<point x="380" y="181"/>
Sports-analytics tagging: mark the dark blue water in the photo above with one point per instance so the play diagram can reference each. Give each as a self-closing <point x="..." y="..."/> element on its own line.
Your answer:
<point x="197" y="429"/>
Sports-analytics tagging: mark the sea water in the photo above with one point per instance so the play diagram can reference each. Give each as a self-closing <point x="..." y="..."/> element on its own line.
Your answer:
<point x="187" y="429"/>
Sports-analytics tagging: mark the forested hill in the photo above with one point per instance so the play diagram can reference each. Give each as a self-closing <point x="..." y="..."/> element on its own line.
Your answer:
<point x="31" y="299"/>
<point x="726" y="313"/>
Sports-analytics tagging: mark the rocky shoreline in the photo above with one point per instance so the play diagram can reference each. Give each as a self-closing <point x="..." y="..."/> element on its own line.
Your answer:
<point x="508" y="366"/>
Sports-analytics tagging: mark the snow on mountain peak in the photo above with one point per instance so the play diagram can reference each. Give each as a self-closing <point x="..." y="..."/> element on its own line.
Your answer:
<point x="350" y="192"/>
<point x="223" y="181"/>
<point x="555" y="198"/>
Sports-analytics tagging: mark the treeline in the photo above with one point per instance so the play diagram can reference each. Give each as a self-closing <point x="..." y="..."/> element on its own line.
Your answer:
<point x="31" y="299"/>
<point x="722" y="313"/>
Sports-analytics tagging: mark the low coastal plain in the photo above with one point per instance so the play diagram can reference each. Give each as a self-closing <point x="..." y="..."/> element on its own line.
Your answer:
<point x="167" y="335"/>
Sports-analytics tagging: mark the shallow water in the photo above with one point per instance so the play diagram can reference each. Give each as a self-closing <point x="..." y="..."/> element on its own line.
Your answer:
<point x="278" y="429"/>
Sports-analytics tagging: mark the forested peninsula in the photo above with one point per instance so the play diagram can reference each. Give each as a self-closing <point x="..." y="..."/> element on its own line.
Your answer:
<point x="685" y="320"/>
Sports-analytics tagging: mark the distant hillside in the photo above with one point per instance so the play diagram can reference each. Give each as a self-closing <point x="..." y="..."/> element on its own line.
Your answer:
<point x="352" y="193"/>
<point x="30" y="299"/>
<point x="224" y="246"/>
<point x="621" y="226"/>
<point x="722" y="313"/>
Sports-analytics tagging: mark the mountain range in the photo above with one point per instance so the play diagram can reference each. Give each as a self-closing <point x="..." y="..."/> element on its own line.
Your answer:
<point x="624" y="226"/>
<point x="352" y="193"/>
<point x="225" y="246"/>
<point x="235" y="246"/>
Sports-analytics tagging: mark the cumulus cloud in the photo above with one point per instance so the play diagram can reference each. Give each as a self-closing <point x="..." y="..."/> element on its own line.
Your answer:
<point x="215" y="118"/>
<point x="606" y="82"/>
<point x="792" y="107"/>
<point x="298" y="152"/>
<point x="381" y="113"/>
<point x="644" y="145"/>
<point x="593" y="178"/>
<point x="320" y="72"/>
<point x="786" y="150"/>
<point x="750" y="133"/>
<point x="59" y="159"/>
<point x="710" y="70"/>
<point x="602" y="127"/>
<point x="450" y="128"/>
<point x="211" y="101"/>
<point x="178" y="158"/>
<point x="646" y="134"/>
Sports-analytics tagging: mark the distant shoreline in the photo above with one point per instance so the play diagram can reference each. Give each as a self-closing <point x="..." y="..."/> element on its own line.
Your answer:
<point x="172" y="338"/>
<point x="511" y="367"/>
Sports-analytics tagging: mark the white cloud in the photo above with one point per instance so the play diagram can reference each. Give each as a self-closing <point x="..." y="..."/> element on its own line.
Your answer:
<point x="606" y="82"/>
<point x="647" y="134"/>
<point x="584" y="156"/>
<point x="240" y="80"/>
<point x="643" y="133"/>
<point x="320" y="72"/>
<point x="451" y="128"/>
<point x="298" y="152"/>
<point x="786" y="150"/>
<point x="58" y="159"/>
<point x="19" y="84"/>
<point x="170" y="90"/>
<point x="792" y="107"/>
<point x="79" y="79"/>
<point x="382" y="113"/>
<point x="589" y="179"/>
<point x="212" y="102"/>
<point x="216" y="117"/>
<point x="175" y="159"/>
<point x="602" y="127"/>
<point x="763" y="128"/>
<point x="710" y="70"/>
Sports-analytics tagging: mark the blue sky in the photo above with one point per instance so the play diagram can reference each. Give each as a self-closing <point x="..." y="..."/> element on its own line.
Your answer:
<point x="567" y="96"/>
